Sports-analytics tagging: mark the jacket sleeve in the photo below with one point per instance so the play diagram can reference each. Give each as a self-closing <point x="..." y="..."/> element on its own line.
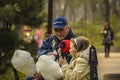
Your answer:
<point x="112" y="34"/>
<point x="45" y="48"/>
<point x="77" y="70"/>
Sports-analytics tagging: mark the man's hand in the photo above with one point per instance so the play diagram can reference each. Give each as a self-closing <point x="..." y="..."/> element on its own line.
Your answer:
<point x="52" y="53"/>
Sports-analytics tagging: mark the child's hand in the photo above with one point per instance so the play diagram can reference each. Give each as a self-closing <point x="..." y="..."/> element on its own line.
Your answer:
<point x="59" y="51"/>
<point x="62" y="61"/>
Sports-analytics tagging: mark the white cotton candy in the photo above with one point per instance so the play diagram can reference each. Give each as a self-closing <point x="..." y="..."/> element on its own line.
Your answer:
<point x="23" y="62"/>
<point x="48" y="67"/>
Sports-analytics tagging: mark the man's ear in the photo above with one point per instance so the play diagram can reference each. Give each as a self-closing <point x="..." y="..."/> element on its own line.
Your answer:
<point x="67" y="27"/>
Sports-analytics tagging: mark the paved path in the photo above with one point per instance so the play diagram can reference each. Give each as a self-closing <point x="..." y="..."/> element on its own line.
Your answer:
<point x="108" y="65"/>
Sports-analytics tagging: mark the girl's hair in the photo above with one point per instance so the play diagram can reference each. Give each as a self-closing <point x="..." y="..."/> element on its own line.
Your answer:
<point x="80" y="43"/>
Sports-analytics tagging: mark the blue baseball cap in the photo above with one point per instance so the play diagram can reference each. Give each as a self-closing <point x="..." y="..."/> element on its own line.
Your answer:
<point x="59" y="22"/>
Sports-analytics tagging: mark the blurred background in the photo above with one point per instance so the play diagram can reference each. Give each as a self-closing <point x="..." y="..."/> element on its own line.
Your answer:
<point x="25" y="23"/>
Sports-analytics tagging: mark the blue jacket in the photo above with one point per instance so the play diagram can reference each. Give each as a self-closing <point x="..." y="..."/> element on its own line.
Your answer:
<point x="29" y="78"/>
<point x="51" y="43"/>
<point x="32" y="78"/>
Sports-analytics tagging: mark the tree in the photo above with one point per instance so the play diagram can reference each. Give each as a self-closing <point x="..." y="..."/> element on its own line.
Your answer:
<point x="17" y="12"/>
<point x="31" y="12"/>
<point x="28" y="12"/>
<point x="7" y="14"/>
<point x="8" y="43"/>
<point x="115" y="8"/>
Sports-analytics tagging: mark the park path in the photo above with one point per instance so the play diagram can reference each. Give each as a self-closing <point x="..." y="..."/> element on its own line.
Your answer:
<point x="109" y="65"/>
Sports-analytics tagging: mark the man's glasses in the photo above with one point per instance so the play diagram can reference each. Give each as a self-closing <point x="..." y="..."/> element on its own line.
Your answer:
<point x="59" y="30"/>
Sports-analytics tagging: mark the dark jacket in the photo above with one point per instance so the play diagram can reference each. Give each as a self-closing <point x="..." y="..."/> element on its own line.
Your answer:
<point x="51" y="43"/>
<point x="29" y="78"/>
<point x="108" y="36"/>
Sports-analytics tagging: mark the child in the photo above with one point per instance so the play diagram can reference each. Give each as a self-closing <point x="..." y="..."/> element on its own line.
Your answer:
<point x="78" y="69"/>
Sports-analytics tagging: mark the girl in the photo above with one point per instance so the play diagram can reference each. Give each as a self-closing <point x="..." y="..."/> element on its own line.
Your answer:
<point x="78" y="69"/>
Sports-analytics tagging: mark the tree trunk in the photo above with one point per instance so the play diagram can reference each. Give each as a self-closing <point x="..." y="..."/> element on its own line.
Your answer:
<point x="93" y="9"/>
<point x="16" y="74"/>
<point x="107" y="11"/>
<point x="50" y="15"/>
<point x="114" y="6"/>
<point x="65" y="8"/>
<point x="85" y="10"/>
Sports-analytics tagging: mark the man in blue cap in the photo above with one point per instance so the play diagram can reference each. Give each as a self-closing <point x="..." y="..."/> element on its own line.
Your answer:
<point x="62" y="31"/>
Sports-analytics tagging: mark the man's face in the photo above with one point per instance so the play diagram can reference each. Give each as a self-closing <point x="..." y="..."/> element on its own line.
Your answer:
<point x="61" y="33"/>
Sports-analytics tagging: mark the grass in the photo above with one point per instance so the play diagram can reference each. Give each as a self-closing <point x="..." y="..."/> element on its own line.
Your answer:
<point x="9" y="75"/>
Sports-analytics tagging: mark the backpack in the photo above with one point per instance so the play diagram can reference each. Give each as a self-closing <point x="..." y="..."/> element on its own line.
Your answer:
<point x="93" y="62"/>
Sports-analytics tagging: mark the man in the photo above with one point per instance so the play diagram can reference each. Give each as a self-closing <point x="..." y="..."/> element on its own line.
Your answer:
<point x="50" y="45"/>
<point x="62" y="31"/>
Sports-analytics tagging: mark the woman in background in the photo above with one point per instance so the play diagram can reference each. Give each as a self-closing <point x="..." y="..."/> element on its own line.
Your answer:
<point x="108" y="36"/>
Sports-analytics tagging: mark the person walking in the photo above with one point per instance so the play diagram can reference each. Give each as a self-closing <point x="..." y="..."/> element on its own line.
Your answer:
<point x="108" y="36"/>
<point x="78" y="69"/>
